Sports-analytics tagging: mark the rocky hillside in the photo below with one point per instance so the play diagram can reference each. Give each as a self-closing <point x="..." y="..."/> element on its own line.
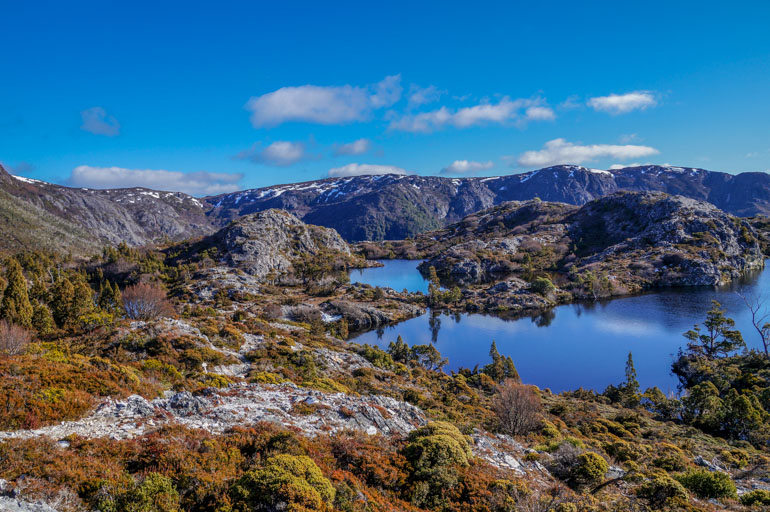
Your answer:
<point x="387" y="207"/>
<point x="394" y="207"/>
<point x="35" y="214"/>
<point x="272" y="242"/>
<point x="618" y="244"/>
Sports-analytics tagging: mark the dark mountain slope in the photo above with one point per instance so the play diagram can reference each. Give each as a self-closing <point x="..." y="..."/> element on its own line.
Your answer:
<point x="396" y="207"/>
<point x="359" y="208"/>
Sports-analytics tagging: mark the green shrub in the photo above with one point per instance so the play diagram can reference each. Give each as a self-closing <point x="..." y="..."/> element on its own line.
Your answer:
<point x="670" y="458"/>
<point x="542" y="286"/>
<point x="377" y="357"/>
<point x="156" y="493"/>
<point x="661" y="490"/>
<point x="285" y="482"/>
<point x="590" y="469"/>
<point x="435" y="451"/>
<point x="437" y="444"/>
<point x="759" y="497"/>
<point x="707" y="484"/>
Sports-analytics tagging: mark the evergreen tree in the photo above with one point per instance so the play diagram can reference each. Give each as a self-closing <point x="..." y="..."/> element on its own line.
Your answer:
<point x="107" y="300"/>
<point x="117" y="299"/>
<point x="42" y="319"/>
<point x="716" y="337"/>
<point x="16" y="307"/>
<point x="61" y="301"/>
<point x="632" y="384"/>
<point x="39" y="290"/>
<point x="434" y="287"/>
<point x="510" y="370"/>
<point x="630" y="389"/>
<point x="399" y="351"/>
<point x="501" y="368"/>
<point x="82" y="301"/>
<point x="433" y="276"/>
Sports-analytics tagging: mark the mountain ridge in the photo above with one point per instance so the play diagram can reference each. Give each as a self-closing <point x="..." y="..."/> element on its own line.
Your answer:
<point x="380" y="207"/>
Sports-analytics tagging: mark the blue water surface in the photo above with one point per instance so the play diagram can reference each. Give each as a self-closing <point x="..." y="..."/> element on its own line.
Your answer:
<point x="397" y="274"/>
<point x="576" y="345"/>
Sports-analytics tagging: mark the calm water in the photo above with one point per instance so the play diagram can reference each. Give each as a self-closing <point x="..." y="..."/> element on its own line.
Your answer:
<point x="396" y="274"/>
<point x="577" y="344"/>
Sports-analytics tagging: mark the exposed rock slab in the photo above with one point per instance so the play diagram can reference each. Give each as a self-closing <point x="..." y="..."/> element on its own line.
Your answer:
<point x="219" y="410"/>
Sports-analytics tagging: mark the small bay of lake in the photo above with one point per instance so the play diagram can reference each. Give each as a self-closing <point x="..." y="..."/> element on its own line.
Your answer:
<point x="397" y="274"/>
<point x="574" y="345"/>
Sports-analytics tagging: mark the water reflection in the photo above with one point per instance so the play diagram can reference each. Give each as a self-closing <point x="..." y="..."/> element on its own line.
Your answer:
<point x="397" y="274"/>
<point x="583" y="344"/>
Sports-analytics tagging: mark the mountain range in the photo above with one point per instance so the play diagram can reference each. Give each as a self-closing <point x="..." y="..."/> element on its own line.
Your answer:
<point x="36" y="214"/>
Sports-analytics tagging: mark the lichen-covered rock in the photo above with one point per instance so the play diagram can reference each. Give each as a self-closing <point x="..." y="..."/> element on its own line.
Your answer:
<point x="271" y="241"/>
<point x="687" y="242"/>
<point x="364" y="317"/>
<point x="243" y="404"/>
<point x="633" y="240"/>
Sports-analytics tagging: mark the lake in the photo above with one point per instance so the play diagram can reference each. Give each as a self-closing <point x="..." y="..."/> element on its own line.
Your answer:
<point x="396" y="274"/>
<point x="575" y="345"/>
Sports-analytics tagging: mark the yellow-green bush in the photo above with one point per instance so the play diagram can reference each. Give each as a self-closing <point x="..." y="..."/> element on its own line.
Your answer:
<point x="661" y="490"/>
<point x="294" y="482"/>
<point x="589" y="469"/>
<point x="708" y="484"/>
<point x="670" y="458"/>
<point x="760" y="497"/>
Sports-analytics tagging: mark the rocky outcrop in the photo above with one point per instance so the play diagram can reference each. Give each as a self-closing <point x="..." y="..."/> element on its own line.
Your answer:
<point x="633" y="240"/>
<point x="270" y="241"/>
<point x="219" y="410"/>
<point x="12" y="500"/>
<point x="687" y="242"/>
<point x="363" y="317"/>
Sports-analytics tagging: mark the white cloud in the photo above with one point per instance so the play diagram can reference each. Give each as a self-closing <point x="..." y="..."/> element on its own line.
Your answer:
<point x="623" y="103"/>
<point x="559" y="151"/>
<point x="199" y="183"/>
<point x="97" y="121"/>
<point x="357" y="147"/>
<point x="506" y="110"/>
<point x="323" y="105"/>
<point x="280" y="154"/>
<point x="466" y="167"/>
<point x="387" y="92"/>
<point x="423" y="95"/>
<point x="365" y="170"/>
<point x="540" y="114"/>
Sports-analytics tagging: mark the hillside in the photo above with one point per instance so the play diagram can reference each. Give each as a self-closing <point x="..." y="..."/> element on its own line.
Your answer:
<point x="83" y="220"/>
<point x="394" y="207"/>
<point x="534" y="254"/>
<point x="236" y="401"/>
<point x="389" y="207"/>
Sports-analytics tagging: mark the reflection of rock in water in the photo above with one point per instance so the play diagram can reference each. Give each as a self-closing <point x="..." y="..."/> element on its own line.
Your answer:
<point x="545" y="318"/>
<point x="434" y="321"/>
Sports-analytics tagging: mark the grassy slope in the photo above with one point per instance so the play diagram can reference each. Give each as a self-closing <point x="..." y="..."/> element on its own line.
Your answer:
<point x="27" y="227"/>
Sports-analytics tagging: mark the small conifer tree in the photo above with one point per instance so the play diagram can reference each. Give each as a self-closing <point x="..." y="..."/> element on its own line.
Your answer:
<point x="15" y="306"/>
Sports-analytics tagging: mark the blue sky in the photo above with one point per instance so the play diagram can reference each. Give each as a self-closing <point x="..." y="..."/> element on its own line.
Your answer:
<point x="210" y="97"/>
